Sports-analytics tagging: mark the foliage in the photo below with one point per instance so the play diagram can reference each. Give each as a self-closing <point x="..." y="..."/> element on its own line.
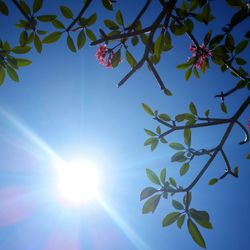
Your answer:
<point x="175" y="18"/>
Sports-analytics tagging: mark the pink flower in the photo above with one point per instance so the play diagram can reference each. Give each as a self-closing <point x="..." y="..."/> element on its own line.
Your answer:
<point x="104" y="55"/>
<point x="200" y="54"/>
<point x="248" y="123"/>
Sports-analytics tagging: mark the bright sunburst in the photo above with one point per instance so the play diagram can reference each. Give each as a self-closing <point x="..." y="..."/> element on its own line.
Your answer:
<point x="77" y="182"/>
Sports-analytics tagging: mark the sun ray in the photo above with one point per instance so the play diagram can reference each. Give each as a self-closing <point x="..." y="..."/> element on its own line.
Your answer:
<point x="30" y="135"/>
<point x="124" y="226"/>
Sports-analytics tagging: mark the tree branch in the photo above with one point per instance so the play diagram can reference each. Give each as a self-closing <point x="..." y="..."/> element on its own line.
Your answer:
<point x="166" y="11"/>
<point x="194" y="40"/>
<point x="84" y="8"/>
<point x="199" y="125"/>
<point x="155" y="73"/>
<point x="219" y="147"/>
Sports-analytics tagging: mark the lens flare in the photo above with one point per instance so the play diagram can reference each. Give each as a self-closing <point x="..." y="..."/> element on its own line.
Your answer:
<point x="77" y="182"/>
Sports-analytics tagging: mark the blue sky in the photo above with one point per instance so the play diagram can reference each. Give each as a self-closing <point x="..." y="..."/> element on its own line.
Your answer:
<point x="67" y="104"/>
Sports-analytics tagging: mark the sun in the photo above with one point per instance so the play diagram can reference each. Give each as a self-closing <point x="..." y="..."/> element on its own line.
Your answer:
<point x="77" y="181"/>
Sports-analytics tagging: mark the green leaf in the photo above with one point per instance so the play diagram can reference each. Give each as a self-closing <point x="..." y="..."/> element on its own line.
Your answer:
<point x="52" y="37"/>
<point x="81" y="39"/>
<point x="12" y="61"/>
<point x="216" y="40"/>
<point x="147" y="109"/>
<point x="158" y="130"/>
<point x="111" y="24"/>
<point x="187" y="198"/>
<point x="207" y="112"/>
<point x="188" y="73"/>
<point x="167" y="92"/>
<point x="107" y="4"/>
<point x="213" y="181"/>
<point x="177" y="205"/>
<point x="164" y="117"/>
<point x="154" y="144"/>
<point x="41" y="32"/>
<point x="37" y="5"/>
<point x="195" y="233"/>
<point x="58" y="24"/>
<point x="71" y="44"/>
<point x="23" y="38"/>
<point x="46" y="18"/>
<point x="149" y="132"/>
<point x="163" y="176"/>
<point x="67" y="13"/>
<point x="183" y="66"/>
<point x="130" y="59"/>
<point x="21" y="62"/>
<point x="12" y="73"/>
<point x="192" y="108"/>
<point x="134" y="40"/>
<point x="184" y="169"/>
<point x="90" y="34"/>
<point x="223" y="107"/>
<point x="248" y="156"/>
<point x="229" y="42"/>
<point x="152" y="176"/>
<point x="38" y="44"/>
<point x="176" y="146"/>
<point x="172" y="181"/>
<point x="240" y="61"/>
<point x="196" y="74"/>
<point x="151" y="204"/>
<point x="149" y="141"/>
<point x="158" y="46"/>
<point x="179" y="157"/>
<point x="241" y="46"/>
<point x="163" y="140"/>
<point x="2" y="75"/>
<point x="187" y="136"/>
<point x="201" y="217"/>
<point x="236" y="171"/>
<point x="235" y="3"/>
<point x="91" y="20"/>
<point x="6" y="46"/>
<point x="180" y="221"/>
<point x="116" y="58"/>
<point x="119" y="18"/>
<point x="147" y="192"/>
<point x="170" y="219"/>
<point x="25" y="7"/>
<point x="21" y="50"/>
<point x="3" y="8"/>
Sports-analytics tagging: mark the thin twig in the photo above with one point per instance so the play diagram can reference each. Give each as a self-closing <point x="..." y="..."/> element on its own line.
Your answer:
<point x="84" y="8"/>
<point x="122" y="36"/>
<point x="155" y="73"/>
<point x="140" y="14"/>
<point x="197" y="125"/>
<point x="166" y="11"/>
<point x="27" y="17"/>
<point x="228" y="167"/>
<point x="246" y="139"/>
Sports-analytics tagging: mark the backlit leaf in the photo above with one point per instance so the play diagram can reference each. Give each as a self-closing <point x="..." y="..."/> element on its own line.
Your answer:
<point x="151" y="204"/>
<point x="152" y="176"/>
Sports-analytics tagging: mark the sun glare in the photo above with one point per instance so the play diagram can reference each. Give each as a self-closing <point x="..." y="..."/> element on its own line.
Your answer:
<point x="77" y="182"/>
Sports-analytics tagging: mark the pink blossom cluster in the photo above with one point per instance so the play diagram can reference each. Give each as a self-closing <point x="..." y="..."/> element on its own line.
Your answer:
<point x="248" y="123"/>
<point x="200" y="54"/>
<point x="104" y="55"/>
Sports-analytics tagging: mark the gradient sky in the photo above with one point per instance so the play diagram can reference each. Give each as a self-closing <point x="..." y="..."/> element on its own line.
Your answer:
<point x="68" y="105"/>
